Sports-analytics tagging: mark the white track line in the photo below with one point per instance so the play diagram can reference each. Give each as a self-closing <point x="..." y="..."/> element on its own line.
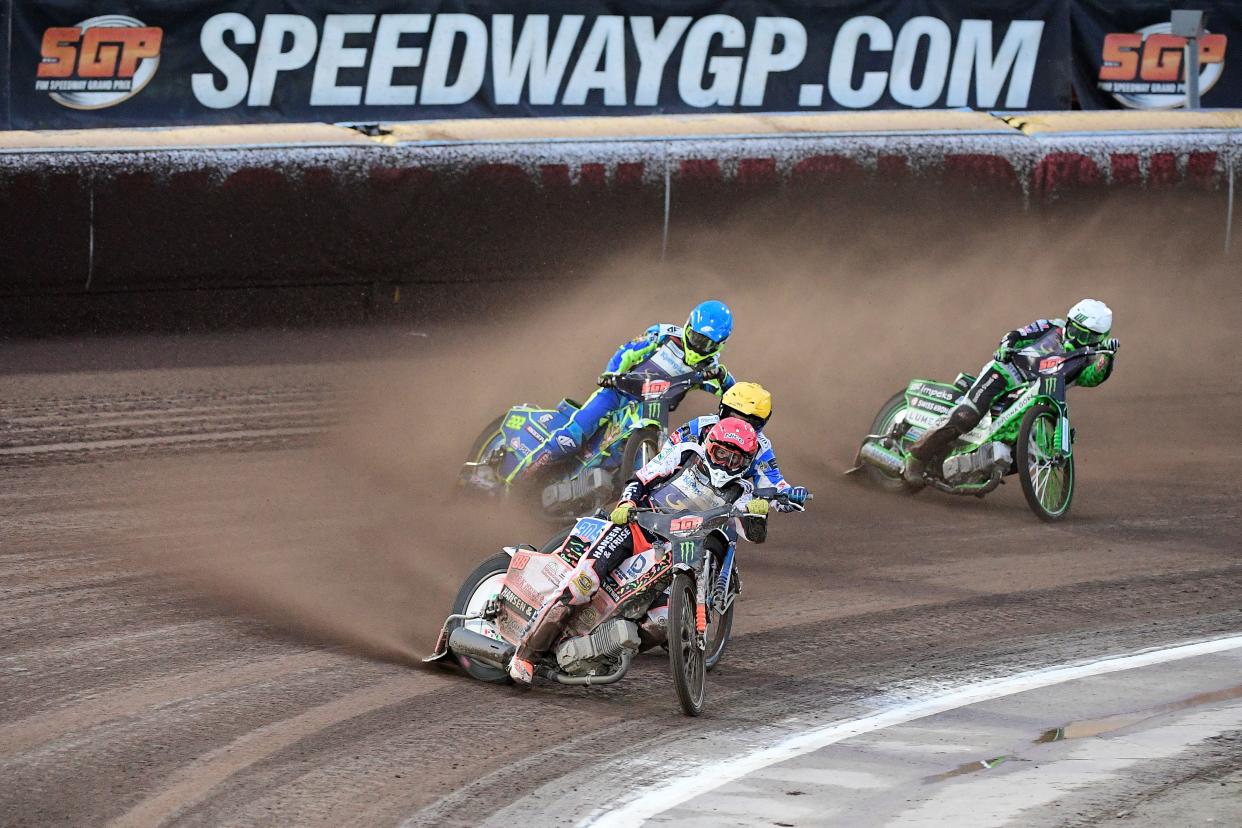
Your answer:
<point x="684" y="787"/>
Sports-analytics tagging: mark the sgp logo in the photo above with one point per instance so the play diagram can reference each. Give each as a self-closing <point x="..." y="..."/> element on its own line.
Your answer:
<point x="98" y="63"/>
<point x="1145" y="69"/>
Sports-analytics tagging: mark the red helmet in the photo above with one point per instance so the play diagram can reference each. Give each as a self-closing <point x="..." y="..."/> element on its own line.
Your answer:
<point x="730" y="447"/>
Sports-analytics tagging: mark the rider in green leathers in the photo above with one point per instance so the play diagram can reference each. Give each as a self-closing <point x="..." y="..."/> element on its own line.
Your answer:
<point x="1088" y="323"/>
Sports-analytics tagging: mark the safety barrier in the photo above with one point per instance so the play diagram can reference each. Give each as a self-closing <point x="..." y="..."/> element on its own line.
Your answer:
<point x="288" y="206"/>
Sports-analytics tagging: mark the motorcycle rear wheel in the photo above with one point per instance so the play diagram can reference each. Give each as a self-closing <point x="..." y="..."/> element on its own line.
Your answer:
<point x="1047" y="476"/>
<point x="685" y="657"/>
<point x="881" y="425"/>
<point x="480" y="585"/>
<point x="484" y="438"/>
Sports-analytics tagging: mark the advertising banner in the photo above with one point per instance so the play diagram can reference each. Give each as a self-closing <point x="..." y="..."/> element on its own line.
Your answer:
<point x="1125" y="55"/>
<point x="81" y="63"/>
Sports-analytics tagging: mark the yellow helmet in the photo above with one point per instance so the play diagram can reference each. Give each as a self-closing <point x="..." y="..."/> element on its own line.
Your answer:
<point x="748" y="401"/>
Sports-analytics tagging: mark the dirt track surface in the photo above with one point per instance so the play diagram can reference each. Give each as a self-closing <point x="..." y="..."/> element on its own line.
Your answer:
<point x="161" y="662"/>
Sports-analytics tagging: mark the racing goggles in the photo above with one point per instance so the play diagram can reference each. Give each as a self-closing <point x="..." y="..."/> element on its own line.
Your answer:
<point x="755" y="421"/>
<point x="729" y="458"/>
<point x="701" y="344"/>
<point x="1082" y="335"/>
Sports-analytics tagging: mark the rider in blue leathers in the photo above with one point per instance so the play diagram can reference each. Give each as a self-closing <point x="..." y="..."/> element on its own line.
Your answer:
<point x="674" y="349"/>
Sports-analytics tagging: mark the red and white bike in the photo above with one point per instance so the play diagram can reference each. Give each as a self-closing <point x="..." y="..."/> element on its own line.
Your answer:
<point x="692" y="558"/>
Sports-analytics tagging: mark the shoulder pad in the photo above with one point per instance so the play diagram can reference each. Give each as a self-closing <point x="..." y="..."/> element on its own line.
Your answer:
<point x="661" y="331"/>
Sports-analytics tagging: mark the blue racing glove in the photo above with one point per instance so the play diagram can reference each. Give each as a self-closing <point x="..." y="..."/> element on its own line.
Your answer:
<point x="795" y="500"/>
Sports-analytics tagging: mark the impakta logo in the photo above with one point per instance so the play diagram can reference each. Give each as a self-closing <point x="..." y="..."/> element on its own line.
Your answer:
<point x="1144" y="69"/>
<point x="98" y="63"/>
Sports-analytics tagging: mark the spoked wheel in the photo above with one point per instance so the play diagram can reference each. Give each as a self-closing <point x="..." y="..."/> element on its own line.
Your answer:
<point x="481" y="586"/>
<point x="687" y="660"/>
<point x="1047" y="474"/>
<point x="640" y="447"/>
<point x="882" y="424"/>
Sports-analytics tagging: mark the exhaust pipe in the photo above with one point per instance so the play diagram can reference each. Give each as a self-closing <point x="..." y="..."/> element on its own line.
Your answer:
<point x="468" y="643"/>
<point x="883" y="459"/>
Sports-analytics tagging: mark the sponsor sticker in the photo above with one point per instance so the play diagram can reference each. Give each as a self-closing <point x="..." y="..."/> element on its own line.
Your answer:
<point x="634" y="567"/>
<point x="654" y="388"/>
<point x="553" y="571"/>
<point x="589" y="529"/>
<point x="1146" y="69"/>
<point x="511" y="598"/>
<point x="932" y="391"/>
<point x="685" y="524"/>
<point x="99" y="62"/>
<point x="566" y="441"/>
<point x="545" y="418"/>
<point x="515" y="421"/>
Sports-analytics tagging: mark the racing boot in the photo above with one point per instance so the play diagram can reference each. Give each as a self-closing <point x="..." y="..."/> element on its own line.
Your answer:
<point x="936" y="440"/>
<point x="540" y="634"/>
<point x="521" y="671"/>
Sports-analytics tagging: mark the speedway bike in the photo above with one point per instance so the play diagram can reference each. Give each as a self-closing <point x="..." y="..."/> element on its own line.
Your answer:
<point x="691" y="558"/>
<point x="593" y="476"/>
<point x="1027" y="433"/>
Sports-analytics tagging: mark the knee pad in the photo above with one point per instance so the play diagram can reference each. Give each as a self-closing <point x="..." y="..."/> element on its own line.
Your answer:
<point x="582" y="586"/>
<point x="964" y="417"/>
<point x="566" y="439"/>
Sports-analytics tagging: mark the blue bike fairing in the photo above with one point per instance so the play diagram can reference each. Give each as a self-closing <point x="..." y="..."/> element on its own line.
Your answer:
<point x="524" y="429"/>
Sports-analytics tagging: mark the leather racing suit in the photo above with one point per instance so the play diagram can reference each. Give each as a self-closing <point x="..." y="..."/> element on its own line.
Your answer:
<point x="659" y="349"/>
<point x="998" y="377"/>
<point x="675" y="480"/>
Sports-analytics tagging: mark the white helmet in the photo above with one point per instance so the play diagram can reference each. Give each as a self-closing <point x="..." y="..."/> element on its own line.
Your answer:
<point x="1088" y="323"/>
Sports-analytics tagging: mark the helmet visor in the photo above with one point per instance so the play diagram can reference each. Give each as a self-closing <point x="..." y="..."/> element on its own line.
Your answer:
<point x="701" y="344"/>
<point x="729" y="458"/>
<point x="1080" y="336"/>
<point x="754" y="420"/>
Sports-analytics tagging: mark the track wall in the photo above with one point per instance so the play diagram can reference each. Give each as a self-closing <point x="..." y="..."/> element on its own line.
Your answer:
<point x="372" y="215"/>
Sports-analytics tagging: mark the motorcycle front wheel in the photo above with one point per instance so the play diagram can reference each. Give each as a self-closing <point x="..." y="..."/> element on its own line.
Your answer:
<point x="720" y="624"/>
<point x="1047" y="475"/>
<point x="640" y="447"/>
<point x="685" y="657"/>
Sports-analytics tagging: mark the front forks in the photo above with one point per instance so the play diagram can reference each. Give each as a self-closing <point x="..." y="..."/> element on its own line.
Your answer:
<point x="702" y="589"/>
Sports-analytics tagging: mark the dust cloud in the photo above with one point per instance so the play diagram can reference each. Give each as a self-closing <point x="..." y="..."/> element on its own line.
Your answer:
<point x="360" y="541"/>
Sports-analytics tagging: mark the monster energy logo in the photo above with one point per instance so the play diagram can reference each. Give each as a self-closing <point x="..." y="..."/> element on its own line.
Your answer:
<point x="653" y="411"/>
<point x="1050" y="385"/>
<point x="685" y="551"/>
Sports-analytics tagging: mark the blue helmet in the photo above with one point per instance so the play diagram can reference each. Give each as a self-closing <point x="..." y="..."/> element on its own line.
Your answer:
<point x="706" y="330"/>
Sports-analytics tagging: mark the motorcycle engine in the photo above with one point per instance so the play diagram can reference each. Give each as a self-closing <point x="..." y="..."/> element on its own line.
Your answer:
<point x="579" y="656"/>
<point x="981" y="463"/>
